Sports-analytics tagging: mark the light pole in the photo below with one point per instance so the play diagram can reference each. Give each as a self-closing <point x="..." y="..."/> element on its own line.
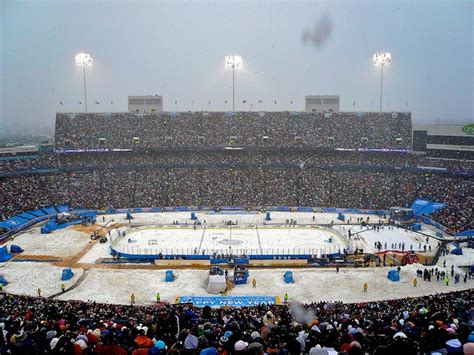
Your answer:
<point x="234" y="62"/>
<point x="84" y="60"/>
<point x="382" y="59"/>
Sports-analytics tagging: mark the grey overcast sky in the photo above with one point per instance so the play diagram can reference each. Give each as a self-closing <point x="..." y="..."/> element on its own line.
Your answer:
<point x="177" y="49"/>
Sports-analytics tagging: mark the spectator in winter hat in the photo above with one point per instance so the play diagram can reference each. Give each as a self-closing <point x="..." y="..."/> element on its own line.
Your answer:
<point x="318" y="350"/>
<point x="191" y="342"/>
<point x="241" y="346"/>
<point x="209" y="351"/>
<point x="254" y="348"/>
<point x="454" y="346"/>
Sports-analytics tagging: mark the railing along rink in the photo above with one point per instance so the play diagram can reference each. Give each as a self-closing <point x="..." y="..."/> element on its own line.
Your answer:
<point x="119" y="243"/>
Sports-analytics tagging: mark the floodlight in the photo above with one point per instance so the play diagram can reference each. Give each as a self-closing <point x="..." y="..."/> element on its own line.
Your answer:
<point x="234" y="62"/>
<point x="84" y="60"/>
<point x="382" y="59"/>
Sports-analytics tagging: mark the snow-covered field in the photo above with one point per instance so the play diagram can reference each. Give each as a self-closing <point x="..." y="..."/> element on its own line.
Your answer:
<point x="27" y="277"/>
<point x="388" y="237"/>
<point x="62" y="242"/>
<point x="115" y="286"/>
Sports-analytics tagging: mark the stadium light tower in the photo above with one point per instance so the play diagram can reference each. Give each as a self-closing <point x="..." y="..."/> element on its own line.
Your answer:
<point x="382" y="59"/>
<point x="234" y="62"/>
<point x="84" y="60"/>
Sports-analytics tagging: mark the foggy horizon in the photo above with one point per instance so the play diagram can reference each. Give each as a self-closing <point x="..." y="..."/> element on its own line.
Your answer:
<point x="289" y="50"/>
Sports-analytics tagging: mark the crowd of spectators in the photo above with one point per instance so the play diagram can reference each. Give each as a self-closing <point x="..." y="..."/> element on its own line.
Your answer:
<point x="308" y="157"/>
<point x="249" y="129"/>
<point x="289" y="159"/>
<point x="441" y="323"/>
<point x="250" y="186"/>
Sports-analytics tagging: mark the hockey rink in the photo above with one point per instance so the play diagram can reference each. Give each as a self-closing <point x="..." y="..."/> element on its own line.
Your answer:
<point x="257" y="240"/>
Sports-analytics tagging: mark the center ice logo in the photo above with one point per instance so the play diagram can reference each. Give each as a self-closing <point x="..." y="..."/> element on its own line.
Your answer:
<point x="469" y="129"/>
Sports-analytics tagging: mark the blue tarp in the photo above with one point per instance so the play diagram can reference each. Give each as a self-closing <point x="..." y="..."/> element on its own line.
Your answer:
<point x="393" y="275"/>
<point x="88" y="214"/>
<point x="457" y="251"/>
<point x="279" y="208"/>
<point x="305" y="209"/>
<point x="15" y="249"/>
<point x="37" y="213"/>
<point x="67" y="275"/>
<point x="62" y="208"/>
<point x="469" y="233"/>
<point x="425" y="207"/>
<point x="288" y="277"/>
<point x="26" y="216"/>
<point x="3" y="281"/>
<point x="416" y="227"/>
<point x="7" y="226"/>
<point x="50" y="210"/>
<point x="4" y="254"/>
<point x="169" y="277"/>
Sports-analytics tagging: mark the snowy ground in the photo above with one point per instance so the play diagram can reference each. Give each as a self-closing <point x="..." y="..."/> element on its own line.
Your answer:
<point x="388" y="237"/>
<point x="115" y="286"/>
<point x="99" y="250"/>
<point x="26" y="278"/>
<point x="62" y="242"/>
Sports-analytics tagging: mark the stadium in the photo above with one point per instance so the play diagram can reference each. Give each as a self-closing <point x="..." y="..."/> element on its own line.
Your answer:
<point x="309" y="194"/>
<point x="142" y="204"/>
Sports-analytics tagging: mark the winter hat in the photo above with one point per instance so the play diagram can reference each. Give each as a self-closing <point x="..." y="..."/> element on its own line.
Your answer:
<point x="82" y="336"/>
<point x="223" y="339"/>
<point x="241" y="345"/>
<point x="470" y="338"/>
<point x="81" y="343"/>
<point x="254" y="348"/>
<point x="255" y="335"/>
<point x="355" y="344"/>
<point x="160" y="344"/>
<point x="451" y="331"/>
<point x="351" y="330"/>
<point x="53" y="343"/>
<point x="191" y="342"/>
<point x="96" y="332"/>
<point x="154" y="351"/>
<point x="399" y="334"/>
<point x="453" y="346"/>
<point x="317" y="350"/>
<point x="228" y="334"/>
<point x="51" y="334"/>
<point x="209" y="351"/>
